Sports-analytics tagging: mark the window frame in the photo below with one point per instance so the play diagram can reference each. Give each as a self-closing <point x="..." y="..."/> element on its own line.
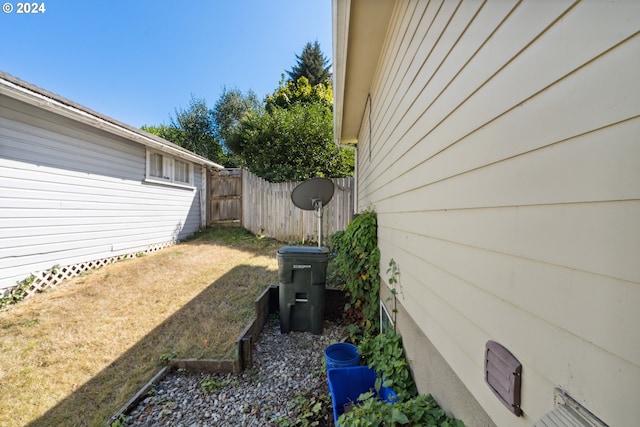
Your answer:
<point x="169" y="174"/>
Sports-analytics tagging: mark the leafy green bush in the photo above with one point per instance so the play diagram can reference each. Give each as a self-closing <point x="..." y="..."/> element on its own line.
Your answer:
<point x="358" y="262"/>
<point x="422" y="410"/>
<point x="385" y="354"/>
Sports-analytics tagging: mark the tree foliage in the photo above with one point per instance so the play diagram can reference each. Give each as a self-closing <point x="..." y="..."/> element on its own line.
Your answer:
<point x="292" y="138"/>
<point x="166" y="132"/>
<point x="291" y="144"/>
<point x="192" y="128"/>
<point x="311" y="64"/>
<point x="196" y="123"/>
<point x="228" y="112"/>
<point x="288" y="137"/>
<point x="300" y="91"/>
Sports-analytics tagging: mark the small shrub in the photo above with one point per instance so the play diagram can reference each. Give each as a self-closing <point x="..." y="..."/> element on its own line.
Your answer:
<point x="422" y="410"/>
<point x="385" y="354"/>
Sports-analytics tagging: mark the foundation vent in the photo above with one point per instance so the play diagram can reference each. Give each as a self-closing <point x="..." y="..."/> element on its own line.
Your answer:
<point x="502" y="372"/>
<point x="568" y="413"/>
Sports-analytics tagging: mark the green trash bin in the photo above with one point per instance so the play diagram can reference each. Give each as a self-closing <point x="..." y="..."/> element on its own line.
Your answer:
<point x="302" y="272"/>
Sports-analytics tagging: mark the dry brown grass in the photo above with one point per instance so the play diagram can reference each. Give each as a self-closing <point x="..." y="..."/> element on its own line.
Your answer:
<point x="75" y="355"/>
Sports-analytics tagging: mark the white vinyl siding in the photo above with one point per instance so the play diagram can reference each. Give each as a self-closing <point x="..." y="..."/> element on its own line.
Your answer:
<point x="71" y="193"/>
<point x="504" y="165"/>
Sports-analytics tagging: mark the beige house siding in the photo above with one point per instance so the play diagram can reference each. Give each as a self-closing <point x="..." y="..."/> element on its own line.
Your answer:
<point x="500" y="148"/>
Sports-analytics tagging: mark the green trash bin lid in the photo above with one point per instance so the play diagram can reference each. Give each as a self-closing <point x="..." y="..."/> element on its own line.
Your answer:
<point x="303" y="250"/>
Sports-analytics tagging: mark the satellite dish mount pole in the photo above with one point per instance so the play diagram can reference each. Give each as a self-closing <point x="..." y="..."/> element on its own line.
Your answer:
<point x="313" y="195"/>
<point x="317" y="204"/>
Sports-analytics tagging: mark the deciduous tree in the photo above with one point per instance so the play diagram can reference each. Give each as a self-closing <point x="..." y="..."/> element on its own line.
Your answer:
<point x="293" y="140"/>
<point x="192" y="128"/>
<point x="229" y="110"/>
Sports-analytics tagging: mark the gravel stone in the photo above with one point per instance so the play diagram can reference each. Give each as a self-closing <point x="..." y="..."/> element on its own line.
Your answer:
<point x="283" y="365"/>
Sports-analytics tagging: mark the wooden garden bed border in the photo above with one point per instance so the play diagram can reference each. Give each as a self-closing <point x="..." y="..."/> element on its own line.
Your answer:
<point x="266" y="304"/>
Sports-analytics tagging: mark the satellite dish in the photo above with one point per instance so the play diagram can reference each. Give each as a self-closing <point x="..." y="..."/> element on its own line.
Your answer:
<point x="312" y="195"/>
<point x="307" y="194"/>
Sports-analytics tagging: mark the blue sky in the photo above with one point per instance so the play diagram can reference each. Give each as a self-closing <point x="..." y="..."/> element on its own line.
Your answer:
<point x="138" y="60"/>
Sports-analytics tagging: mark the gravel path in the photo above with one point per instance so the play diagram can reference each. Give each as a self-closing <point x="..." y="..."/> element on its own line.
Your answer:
<point x="284" y="365"/>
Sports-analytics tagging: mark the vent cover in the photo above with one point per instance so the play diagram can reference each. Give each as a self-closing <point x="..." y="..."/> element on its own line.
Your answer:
<point x="502" y="372"/>
<point x="568" y="413"/>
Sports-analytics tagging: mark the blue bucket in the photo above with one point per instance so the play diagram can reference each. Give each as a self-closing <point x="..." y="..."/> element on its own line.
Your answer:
<point x="346" y="385"/>
<point x="341" y="355"/>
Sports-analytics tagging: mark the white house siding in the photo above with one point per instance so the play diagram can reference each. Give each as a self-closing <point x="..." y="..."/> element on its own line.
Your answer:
<point x="71" y="193"/>
<point x="504" y="165"/>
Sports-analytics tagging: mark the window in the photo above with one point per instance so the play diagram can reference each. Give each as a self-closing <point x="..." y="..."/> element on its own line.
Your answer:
<point x="386" y="322"/>
<point x="168" y="169"/>
<point x="156" y="166"/>
<point x="182" y="172"/>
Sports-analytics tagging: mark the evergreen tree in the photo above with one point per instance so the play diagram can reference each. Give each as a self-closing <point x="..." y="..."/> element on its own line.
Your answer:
<point x="312" y="64"/>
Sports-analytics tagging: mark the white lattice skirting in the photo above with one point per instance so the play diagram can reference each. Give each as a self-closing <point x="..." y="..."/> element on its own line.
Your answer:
<point x="54" y="276"/>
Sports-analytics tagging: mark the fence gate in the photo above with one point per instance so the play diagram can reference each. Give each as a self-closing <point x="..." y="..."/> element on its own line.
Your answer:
<point x="225" y="197"/>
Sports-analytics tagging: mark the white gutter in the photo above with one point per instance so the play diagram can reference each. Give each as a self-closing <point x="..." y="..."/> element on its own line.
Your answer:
<point x="340" y="10"/>
<point x="76" y="113"/>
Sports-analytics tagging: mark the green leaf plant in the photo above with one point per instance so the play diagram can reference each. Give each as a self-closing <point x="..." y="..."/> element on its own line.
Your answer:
<point x="394" y="280"/>
<point x="18" y="293"/>
<point x="358" y="262"/>
<point x="385" y="354"/>
<point x="422" y="410"/>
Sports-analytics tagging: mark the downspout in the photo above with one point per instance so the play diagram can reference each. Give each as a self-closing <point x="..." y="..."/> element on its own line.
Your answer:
<point x="204" y="192"/>
<point x="355" y="173"/>
<point x="355" y="157"/>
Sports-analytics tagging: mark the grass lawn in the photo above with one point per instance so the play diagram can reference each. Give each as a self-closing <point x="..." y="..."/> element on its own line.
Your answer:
<point x="74" y="355"/>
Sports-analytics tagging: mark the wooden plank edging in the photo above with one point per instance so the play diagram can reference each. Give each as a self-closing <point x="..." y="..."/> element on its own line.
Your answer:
<point x="140" y="394"/>
<point x="243" y="359"/>
<point x="265" y="304"/>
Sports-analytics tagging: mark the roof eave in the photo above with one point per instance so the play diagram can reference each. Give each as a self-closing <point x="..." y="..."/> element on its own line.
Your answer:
<point x="33" y="95"/>
<point x="359" y="32"/>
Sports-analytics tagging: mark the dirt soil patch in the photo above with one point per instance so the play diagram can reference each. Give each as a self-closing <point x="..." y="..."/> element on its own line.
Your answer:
<point x="74" y="355"/>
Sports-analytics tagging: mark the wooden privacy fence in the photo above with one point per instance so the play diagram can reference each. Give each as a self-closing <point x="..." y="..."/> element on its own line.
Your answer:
<point x="267" y="210"/>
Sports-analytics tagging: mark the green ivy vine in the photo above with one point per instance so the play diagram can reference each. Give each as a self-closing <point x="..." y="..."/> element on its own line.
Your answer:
<point x="358" y="262"/>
